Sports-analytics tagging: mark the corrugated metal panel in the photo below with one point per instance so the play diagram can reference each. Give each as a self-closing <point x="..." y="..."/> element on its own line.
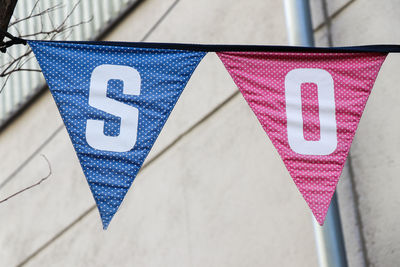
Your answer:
<point x="23" y="85"/>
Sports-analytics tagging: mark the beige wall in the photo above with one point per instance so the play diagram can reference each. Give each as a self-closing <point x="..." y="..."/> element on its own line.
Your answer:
<point x="375" y="150"/>
<point x="213" y="191"/>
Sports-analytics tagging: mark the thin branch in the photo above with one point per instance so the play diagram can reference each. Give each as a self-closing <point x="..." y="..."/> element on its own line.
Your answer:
<point x="48" y="33"/>
<point x="54" y="30"/>
<point x="34" y="7"/>
<point x="10" y="55"/>
<point x="4" y="84"/>
<point x="22" y="69"/>
<point x="31" y="186"/>
<point x="25" y="60"/>
<point x="39" y="14"/>
<point x="16" y="29"/>
<point x="15" y="62"/>
<point x="70" y="13"/>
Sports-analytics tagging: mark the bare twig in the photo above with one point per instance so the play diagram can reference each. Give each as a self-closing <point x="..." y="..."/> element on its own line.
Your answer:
<point x="22" y="69"/>
<point x="4" y="83"/>
<point x="51" y="32"/>
<point x="15" y="62"/>
<point x="38" y="14"/>
<point x="31" y="186"/>
<point x="13" y="66"/>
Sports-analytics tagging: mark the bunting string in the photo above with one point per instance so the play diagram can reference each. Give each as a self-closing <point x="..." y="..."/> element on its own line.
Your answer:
<point x="115" y="97"/>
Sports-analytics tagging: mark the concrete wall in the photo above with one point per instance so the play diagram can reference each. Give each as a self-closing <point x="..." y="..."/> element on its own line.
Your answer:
<point x="375" y="154"/>
<point x="213" y="191"/>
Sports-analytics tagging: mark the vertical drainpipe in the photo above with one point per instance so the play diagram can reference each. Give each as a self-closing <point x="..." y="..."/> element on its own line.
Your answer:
<point x="329" y="238"/>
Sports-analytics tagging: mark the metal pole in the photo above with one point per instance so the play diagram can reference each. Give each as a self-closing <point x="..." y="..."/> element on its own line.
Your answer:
<point x="329" y="238"/>
<point x="298" y="22"/>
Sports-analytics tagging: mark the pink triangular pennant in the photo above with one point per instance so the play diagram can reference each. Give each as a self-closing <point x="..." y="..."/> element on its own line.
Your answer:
<point x="309" y="104"/>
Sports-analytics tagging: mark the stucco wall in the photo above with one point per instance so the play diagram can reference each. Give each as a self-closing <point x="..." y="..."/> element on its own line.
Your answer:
<point x="375" y="150"/>
<point x="213" y="191"/>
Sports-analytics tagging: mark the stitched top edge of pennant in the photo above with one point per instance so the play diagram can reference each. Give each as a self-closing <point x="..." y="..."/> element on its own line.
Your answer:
<point x="385" y="48"/>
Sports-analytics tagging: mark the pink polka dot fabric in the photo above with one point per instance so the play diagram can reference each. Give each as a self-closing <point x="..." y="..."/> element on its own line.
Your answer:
<point x="260" y="77"/>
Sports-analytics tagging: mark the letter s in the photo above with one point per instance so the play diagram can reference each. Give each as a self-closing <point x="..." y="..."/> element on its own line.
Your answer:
<point x="129" y="115"/>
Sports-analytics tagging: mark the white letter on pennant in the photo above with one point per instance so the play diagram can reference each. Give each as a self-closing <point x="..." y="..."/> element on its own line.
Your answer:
<point x="129" y="115"/>
<point x="326" y="101"/>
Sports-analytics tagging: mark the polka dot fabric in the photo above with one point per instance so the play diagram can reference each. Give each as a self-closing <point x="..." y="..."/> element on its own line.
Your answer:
<point x="67" y="68"/>
<point x="260" y="77"/>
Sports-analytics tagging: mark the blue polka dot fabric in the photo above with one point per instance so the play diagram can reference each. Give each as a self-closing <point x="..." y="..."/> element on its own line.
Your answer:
<point x="68" y="68"/>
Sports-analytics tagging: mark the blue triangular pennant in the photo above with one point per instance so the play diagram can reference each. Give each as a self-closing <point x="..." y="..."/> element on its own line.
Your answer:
<point x="114" y="100"/>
